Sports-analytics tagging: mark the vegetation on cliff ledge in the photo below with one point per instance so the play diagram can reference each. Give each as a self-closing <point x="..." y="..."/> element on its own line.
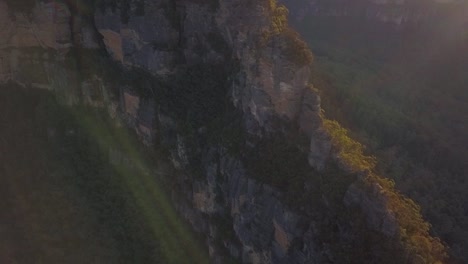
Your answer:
<point x="413" y="230"/>
<point x="290" y="42"/>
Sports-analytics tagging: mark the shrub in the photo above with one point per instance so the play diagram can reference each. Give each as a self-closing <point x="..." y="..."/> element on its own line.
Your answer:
<point x="295" y="48"/>
<point x="291" y="42"/>
<point x="279" y="18"/>
<point x="279" y="21"/>
<point x="349" y="150"/>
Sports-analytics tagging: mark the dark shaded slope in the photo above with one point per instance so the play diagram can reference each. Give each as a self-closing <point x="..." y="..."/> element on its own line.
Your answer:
<point x="44" y="218"/>
<point x="60" y="199"/>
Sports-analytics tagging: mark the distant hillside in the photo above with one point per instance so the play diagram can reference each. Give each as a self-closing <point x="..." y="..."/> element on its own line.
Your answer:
<point x="402" y="88"/>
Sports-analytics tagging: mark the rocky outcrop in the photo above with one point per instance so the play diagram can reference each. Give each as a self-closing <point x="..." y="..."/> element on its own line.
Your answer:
<point x="375" y="204"/>
<point x="272" y="85"/>
<point x="47" y="28"/>
<point x="25" y="38"/>
<point x="146" y="40"/>
<point x="262" y="224"/>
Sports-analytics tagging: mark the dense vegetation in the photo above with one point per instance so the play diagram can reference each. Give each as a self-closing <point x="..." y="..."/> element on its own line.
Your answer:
<point x="406" y="100"/>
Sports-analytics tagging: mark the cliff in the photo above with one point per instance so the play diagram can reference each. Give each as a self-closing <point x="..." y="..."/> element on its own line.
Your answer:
<point x="223" y="86"/>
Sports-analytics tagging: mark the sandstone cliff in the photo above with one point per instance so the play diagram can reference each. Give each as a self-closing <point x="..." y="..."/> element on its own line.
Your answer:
<point x="219" y="84"/>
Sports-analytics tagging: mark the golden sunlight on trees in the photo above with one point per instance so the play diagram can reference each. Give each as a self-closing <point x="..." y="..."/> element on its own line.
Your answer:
<point x="351" y="151"/>
<point x="289" y="40"/>
<point x="414" y="231"/>
<point x="280" y="17"/>
<point x="279" y="20"/>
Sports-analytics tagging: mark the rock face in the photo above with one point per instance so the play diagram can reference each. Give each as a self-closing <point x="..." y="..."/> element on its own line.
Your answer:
<point x="264" y="227"/>
<point x="375" y="204"/>
<point x="48" y="27"/>
<point x="241" y="216"/>
<point x="147" y="40"/>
